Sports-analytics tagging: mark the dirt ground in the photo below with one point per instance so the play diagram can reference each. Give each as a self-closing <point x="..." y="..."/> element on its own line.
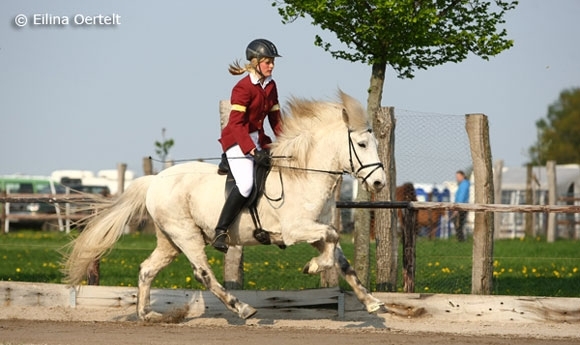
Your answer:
<point x="60" y="326"/>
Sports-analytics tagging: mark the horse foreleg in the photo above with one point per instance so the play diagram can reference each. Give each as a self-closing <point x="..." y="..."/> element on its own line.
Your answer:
<point x="326" y="244"/>
<point x="371" y="303"/>
<point x="162" y="256"/>
<point x="324" y="261"/>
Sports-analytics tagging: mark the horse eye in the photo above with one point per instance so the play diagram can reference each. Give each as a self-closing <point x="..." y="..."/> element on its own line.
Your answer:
<point x="362" y="145"/>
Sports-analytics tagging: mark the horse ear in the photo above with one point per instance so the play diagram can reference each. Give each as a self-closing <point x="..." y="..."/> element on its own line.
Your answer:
<point x="345" y="116"/>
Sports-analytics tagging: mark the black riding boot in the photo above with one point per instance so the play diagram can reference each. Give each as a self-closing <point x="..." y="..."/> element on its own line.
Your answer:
<point x="232" y="207"/>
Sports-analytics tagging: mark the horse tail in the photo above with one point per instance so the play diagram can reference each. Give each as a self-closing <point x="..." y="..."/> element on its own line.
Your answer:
<point x="104" y="228"/>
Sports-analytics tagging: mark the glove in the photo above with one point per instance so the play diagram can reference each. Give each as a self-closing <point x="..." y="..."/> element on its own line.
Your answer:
<point x="262" y="158"/>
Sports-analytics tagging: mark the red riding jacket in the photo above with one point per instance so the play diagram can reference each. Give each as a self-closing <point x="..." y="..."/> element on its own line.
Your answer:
<point x="250" y="105"/>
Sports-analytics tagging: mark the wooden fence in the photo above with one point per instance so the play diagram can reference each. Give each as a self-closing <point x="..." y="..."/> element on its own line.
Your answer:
<point x="65" y="214"/>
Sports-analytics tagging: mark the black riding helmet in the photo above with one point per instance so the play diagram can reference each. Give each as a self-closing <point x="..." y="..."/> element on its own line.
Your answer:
<point x="260" y="48"/>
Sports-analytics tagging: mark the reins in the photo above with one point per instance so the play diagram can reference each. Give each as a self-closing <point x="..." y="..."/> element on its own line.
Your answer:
<point x="351" y="149"/>
<point x="352" y="172"/>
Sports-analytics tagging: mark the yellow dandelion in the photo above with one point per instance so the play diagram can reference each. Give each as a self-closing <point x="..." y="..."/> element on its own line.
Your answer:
<point x="17" y="269"/>
<point x="575" y="270"/>
<point x="187" y="279"/>
<point x="426" y="288"/>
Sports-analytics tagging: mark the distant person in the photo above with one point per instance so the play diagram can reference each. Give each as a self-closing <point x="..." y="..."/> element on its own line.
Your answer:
<point x="461" y="196"/>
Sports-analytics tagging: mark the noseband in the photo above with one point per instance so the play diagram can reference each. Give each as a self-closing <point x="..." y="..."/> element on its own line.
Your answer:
<point x="351" y="150"/>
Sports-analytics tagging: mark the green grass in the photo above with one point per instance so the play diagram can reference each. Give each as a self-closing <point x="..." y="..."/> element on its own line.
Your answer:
<point x="521" y="267"/>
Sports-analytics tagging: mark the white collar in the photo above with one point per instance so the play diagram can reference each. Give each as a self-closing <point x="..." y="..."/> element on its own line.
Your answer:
<point x="255" y="79"/>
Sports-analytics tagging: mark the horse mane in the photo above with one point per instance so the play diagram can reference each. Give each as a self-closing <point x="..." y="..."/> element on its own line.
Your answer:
<point x="305" y="119"/>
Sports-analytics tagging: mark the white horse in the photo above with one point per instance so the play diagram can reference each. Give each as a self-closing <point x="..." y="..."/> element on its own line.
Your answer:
<point x="323" y="140"/>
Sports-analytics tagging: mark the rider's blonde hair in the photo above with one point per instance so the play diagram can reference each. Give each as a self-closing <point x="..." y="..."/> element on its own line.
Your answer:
<point x="235" y="68"/>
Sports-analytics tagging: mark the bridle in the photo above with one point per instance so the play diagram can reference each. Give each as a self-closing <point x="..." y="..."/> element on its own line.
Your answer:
<point x="351" y="152"/>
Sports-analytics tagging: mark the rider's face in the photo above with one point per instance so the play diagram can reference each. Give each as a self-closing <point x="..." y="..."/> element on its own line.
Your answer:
<point x="266" y="66"/>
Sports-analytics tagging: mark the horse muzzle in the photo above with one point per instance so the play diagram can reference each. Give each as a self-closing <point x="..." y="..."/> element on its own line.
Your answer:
<point x="375" y="180"/>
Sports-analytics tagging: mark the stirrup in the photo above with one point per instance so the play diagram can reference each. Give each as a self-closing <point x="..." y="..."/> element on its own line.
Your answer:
<point x="219" y="242"/>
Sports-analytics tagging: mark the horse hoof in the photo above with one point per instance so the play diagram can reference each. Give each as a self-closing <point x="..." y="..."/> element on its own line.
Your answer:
<point x="152" y="316"/>
<point x="247" y="312"/>
<point x="310" y="268"/>
<point x="374" y="307"/>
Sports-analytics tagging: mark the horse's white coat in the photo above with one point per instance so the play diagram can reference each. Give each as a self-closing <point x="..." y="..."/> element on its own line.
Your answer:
<point x="185" y="202"/>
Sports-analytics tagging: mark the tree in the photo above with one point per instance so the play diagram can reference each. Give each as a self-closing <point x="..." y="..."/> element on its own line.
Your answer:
<point x="162" y="147"/>
<point x="559" y="133"/>
<point x="406" y="35"/>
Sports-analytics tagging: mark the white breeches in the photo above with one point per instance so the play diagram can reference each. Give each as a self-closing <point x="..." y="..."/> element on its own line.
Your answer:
<point x="242" y="166"/>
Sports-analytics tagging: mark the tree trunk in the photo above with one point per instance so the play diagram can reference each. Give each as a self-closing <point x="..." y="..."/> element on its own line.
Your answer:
<point x="482" y="270"/>
<point x="330" y="277"/>
<point x="385" y="218"/>
<point x="362" y="237"/>
<point x="362" y="217"/>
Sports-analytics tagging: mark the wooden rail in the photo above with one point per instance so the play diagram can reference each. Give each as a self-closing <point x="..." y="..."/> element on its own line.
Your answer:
<point x="62" y="214"/>
<point x="425" y="205"/>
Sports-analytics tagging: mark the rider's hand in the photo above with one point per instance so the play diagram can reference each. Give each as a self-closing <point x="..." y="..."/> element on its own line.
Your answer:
<point x="262" y="157"/>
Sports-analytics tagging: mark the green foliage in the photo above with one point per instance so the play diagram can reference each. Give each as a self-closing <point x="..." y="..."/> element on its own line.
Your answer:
<point x="162" y="147"/>
<point x="521" y="267"/>
<point x="406" y="34"/>
<point x="559" y="133"/>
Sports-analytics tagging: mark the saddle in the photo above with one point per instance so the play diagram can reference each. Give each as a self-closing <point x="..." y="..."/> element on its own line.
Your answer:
<point x="260" y="174"/>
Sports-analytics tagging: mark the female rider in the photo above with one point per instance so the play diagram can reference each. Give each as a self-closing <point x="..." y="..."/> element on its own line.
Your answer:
<point x="253" y="98"/>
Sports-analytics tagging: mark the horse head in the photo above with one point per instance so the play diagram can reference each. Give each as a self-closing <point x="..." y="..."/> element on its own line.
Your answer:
<point x="363" y="157"/>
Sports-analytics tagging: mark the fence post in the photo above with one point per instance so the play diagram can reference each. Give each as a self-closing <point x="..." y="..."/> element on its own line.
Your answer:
<point x="552" y="194"/>
<point x="477" y="128"/>
<point x="497" y="175"/>
<point x="3" y="226"/>
<point x="121" y="168"/>
<point x="386" y="218"/>
<point x="234" y="258"/>
<point x="147" y="166"/>
<point x="409" y="241"/>
<point x="529" y="217"/>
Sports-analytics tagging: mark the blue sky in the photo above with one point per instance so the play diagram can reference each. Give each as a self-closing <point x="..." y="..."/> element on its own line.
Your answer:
<point x="90" y="97"/>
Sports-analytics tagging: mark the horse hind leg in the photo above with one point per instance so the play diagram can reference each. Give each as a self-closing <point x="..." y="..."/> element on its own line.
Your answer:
<point x="193" y="246"/>
<point x="163" y="254"/>
<point x="205" y="276"/>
